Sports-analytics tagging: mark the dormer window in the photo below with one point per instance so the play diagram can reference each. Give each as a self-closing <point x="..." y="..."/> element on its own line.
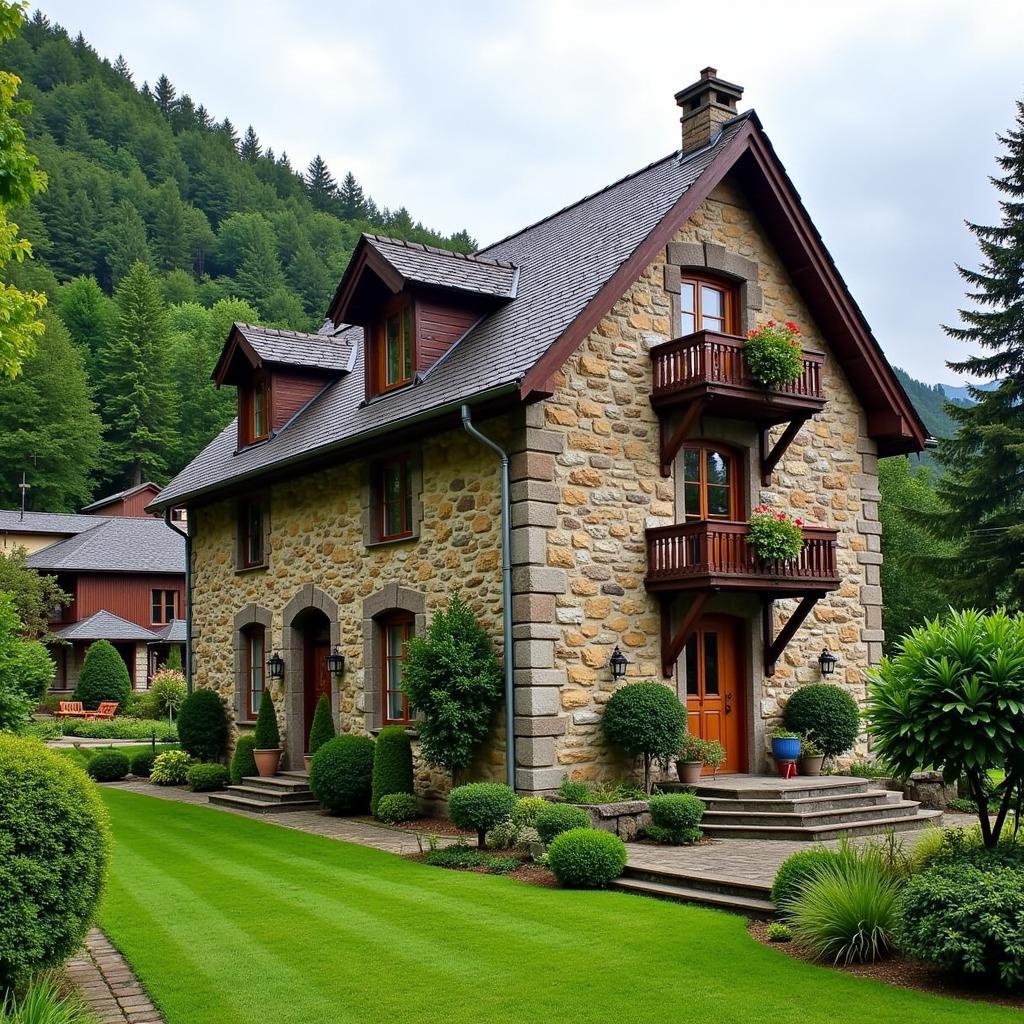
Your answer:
<point x="254" y="412"/>
<point x="395" y="343"/>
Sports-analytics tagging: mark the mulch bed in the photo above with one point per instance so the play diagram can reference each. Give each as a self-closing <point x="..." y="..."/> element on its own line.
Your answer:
<point x="527" y="872"/>
<point x="428" y="826"/>
<point x="900" y="971"/>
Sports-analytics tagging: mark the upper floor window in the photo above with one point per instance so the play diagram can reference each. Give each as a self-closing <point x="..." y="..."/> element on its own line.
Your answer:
<point x="710" y="483"/>
<point x="251" y="541"/>
<point x="254" y="414"/>
<point x="394" y="498"/>
<point x="706" y="305"/>
<point x="395" y="345"/>
<point x="165" y="603"/>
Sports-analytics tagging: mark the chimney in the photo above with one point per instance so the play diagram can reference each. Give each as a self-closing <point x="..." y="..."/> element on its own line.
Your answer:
<point x="706" y="106"/>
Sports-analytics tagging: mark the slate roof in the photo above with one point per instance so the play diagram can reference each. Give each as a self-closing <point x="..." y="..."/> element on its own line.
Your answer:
<point x="104" y="625"/>
<point x="11" y="521"/>
<point x="116" y="544"/>
<point x="296" y="348"/>
<point x="562" y="262"/>
<point x="111" y="498"/>
<point x="172" y="633"/>
<point x="443" y="268"/>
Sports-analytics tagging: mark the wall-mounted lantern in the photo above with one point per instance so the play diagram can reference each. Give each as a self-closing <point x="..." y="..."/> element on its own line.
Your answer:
<point x="827" y="660"/>
<point x="335" y="662"/>
<point x="618" y="663"/>
<point x="276" y="665"/>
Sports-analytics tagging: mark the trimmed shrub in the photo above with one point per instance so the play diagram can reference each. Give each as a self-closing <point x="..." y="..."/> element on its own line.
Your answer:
<point x="202" y="778"/>
<point x="395" y="807"/>
<point x="966" y="918"/>
<point x="104" y="676"/>
<point x="587" y="858"/>
<point x="341" y="774"/>
<point x="142" y="763"/>
<point x="108" y="766"/>
<point x="242" y="762"/>
<point x="54" y="842"/>
<point x="120" y="729"/>
<point x="797" y="870"/>
<point x="392" y="764"/>
<point x="826" y="712"/>
<point x="677" y="817"/>
<point x="170" y="768"/>
<point x="203" y="726"/>
<point x="555" y="819"/>
<point x="481" y="806"/>
<point x="525" y="812"/>
<point x="779" y="932"/>
<point x="266" y="735"/>
<point x="647" y="720"/>
<point x="322" y="728"/>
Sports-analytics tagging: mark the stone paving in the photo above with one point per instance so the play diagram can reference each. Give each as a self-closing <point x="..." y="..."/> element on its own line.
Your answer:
<point x="108" y="985"/>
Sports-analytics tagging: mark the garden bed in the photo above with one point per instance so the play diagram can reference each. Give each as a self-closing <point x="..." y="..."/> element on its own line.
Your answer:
<point x="528" y="872"/>
<point x="426" y="826"/>
<point x="624" y="818"/>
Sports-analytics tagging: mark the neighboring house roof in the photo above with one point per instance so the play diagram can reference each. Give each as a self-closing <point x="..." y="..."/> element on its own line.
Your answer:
<point x="121" y="495"/>
<point x="104" y="625"/>
<point x="273" y="347"/>
<point x="173" y="633"/>
<point x="573" y="266"/>
<point x="12" y="521"/>
<point x="116" y="544"/>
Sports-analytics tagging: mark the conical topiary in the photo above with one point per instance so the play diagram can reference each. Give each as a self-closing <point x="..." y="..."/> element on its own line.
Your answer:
<point x="242" y="762"/>
<point x="104" y="676"/>
<point x="392" y="764"/>
<point x="266" y="735"/>
<point x="322" y="729"/>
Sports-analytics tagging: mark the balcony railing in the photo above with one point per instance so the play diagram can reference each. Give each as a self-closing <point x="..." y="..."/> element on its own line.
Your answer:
<point x="715" y="554"/>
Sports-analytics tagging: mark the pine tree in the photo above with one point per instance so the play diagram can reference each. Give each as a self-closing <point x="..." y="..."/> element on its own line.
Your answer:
<point x="164" y="94"/>
<point x="203" y="119"/>
<point x="171" y="242"/>
<point x="982" y="490"/>
<point x="352" y="200"/>
<point x="227" y="129"/>
<point x="124" y="242"/>
<point x="121" y="67"/>
<point x="133" y="385"/>
<point x="250" y="148"/>
<point x="321" y="187"/>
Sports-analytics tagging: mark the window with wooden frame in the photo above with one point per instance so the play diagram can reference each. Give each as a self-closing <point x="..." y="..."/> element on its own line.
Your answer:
<point x="251" y="539"/>
<point x="395" y="630"/>
<point x="164" y="605"/>
<point x="254" y="412"/>
<point x="707" y="304"/>
<point x="395" y="345"/>
<point x="711" y="482"/>
<point x="255" y="668"/>
<point x="393" y="498"/>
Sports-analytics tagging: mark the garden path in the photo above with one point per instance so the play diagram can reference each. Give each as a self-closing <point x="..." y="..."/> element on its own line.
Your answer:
<point x="108" y="985"/>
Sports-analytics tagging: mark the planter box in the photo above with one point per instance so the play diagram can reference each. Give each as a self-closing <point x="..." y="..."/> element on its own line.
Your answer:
<point x="625" y="818"/>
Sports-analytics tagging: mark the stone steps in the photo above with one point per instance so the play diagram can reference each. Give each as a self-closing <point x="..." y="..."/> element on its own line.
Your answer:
<point x="810" y="819"/>
<point x="801" y="805"/>
<point x="272" y="794"/>
<point x="683" y="887"/>
<point x="820" y="833"/>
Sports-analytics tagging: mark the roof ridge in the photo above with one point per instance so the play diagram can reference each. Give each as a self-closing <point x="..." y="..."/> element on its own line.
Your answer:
<point x="423" y="247"/>
<point x="283" y="332"/>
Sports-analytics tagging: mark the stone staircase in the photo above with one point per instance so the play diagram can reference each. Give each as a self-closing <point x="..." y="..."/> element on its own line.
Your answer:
<point x="747" y="897"/>
<point x="276" y="794"/>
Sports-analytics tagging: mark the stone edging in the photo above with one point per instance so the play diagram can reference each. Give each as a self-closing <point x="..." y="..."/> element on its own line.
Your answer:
<point x="108" y="985"/>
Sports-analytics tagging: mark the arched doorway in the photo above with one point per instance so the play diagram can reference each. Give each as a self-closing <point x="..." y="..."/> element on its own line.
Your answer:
<point x="315" y="630"/>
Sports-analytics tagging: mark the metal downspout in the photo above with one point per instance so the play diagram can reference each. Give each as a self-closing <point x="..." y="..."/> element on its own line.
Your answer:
<point x="188" y="598"/>
<point x="506" y="596"/>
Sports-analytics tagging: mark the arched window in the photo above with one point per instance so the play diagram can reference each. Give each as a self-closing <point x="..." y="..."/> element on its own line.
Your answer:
<point x="706" y="304"/>
<point x="711" y="482"/>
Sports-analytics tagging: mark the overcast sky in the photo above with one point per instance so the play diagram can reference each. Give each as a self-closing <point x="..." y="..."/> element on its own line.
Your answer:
<point x="489" y="115"/>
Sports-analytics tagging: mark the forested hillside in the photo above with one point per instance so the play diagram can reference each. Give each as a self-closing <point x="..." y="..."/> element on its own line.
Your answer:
<point x="159" y="226"/>
<point x="930" y="401"/>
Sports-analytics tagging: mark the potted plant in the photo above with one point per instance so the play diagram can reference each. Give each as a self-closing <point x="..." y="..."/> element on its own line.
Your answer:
<point x="266" y="738"/>
<point x="774" y="535"/>
<point x="811" y="756"/>
<point x="773" y="354"/>
<point x="714" y="755"/>
<point x="785" y="745"/>
<point x="690" y="759"/>
<point x="322" y="728"/>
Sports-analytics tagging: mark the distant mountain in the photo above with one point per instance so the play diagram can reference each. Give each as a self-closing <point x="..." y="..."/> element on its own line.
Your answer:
<point x="960" y="393"/>
<point x="930" y="402"/>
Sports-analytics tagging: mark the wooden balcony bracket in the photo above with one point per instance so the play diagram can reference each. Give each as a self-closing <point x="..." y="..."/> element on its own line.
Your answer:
<point x="671" y="443"/>
<point x="672" y="643"/>
<point x="770" y="456"/>
<point x="773" y="647"/>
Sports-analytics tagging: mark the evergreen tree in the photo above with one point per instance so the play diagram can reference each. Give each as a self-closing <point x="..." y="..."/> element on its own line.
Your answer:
<point x="89" y="315"/>
<point x="164" y="94"/>
<point x="203" y="119"/>
<point x="321" y="187"/>
<point x="250" y="148"/>
<point x="172" y="246"/>
<point x="133" y="386"/>
<point x="124" y="242"/>
<point x="227" y="129"/>
<point x="121" y="67"/>
<point x="982" y="490"/>
<point x="352" y="205"/>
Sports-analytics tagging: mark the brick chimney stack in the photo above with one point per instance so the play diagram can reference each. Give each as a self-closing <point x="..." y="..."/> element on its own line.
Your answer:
<point x="706" y="106"/>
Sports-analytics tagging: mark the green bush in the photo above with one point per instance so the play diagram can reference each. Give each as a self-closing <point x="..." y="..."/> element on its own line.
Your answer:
<point x="968" y="919"/>
<point x="677" y="816"/>
<point x="53" y="855"/>
<point x="202" y="778"/>
<point x="142" y="763"/>
<point x="555" y="819"/>
<point x="25" y="667"/>
<point x="322" y="728"/>
<point x="167" y="691"/>
<point x="395" y="807"/>
<point x="572" y="791"/>
<point x="203" y="726"/>
<point x="266" y="735"/>
<point x="103" y="676"/>
<point x="481" y="806"/>
<point x="170" y="768"/>
<point x="458" y="855"/>
<point x="392" y="764"/>
<point x="587" y="858"/>
<point x="120" y="729"/>
<point x="243" y="764"/>
<point x="797" y="870"/>
<point x="828" y="713"/>
<point x="779" y="932"/>
<point x="141" y="705"/>
<point x="341" y="774"/>
<point x="525" y="812"/>
<point x="108" y="766"/>
<point x="647" y="720"/>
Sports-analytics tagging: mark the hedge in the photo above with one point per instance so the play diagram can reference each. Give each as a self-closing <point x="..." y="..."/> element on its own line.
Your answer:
<point x="341" y="774"/>
<point x="203" y="726"/>
<point x="392" y="764"/>
<point x="108" y="766"/>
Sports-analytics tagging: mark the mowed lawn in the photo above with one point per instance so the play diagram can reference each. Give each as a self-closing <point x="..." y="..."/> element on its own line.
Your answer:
<point x="230" y="921"/>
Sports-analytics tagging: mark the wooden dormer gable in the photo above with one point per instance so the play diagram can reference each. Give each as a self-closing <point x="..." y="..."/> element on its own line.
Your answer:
<point x="277" y="373"/>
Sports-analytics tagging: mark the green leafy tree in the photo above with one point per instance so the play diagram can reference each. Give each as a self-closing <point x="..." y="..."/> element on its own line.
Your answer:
<point x="645" y="720"/>
<point x="103" y="676"/>
<point x="26" y="670"/>
<point x="89" y="315"/>
<point x="34" y="594"/>
<point x="453" y="679"/>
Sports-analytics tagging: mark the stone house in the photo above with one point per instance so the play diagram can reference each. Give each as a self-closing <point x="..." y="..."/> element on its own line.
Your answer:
<point x="602" y="349"/>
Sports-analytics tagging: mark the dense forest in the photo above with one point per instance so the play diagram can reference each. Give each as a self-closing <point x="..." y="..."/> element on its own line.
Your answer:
<point x="159" y="226"/>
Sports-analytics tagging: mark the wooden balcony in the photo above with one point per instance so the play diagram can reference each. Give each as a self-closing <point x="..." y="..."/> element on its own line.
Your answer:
<point x="714" y="555"/>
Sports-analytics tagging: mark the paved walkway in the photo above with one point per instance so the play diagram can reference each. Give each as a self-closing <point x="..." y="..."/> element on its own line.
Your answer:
<point x="108" y="985"/>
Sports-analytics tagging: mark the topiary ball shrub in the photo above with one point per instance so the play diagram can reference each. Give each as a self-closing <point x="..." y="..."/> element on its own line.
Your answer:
<point x="53" y="857"/>
<point x="243" y="764"/>
<point x="797" y="870"/>
<point x="826" y="712"/>
<point x="392" y="764"/>
<point x="395" y="807"/>
<point x="322" y="728"/>
<point x="142" y="763"/>
<point x="341" y="774"/>
<point x="203" y="778"/>
<point x="555" y="819"/>
<point x="108" y="766"/>
<point x="203" y="726"/>
<point x="647" y="720"/>
<point x="480" y="806"/>
<point x="525" y="812"/>
<point x="676" y="818"/>
<point x="170" y="768"/>
<point x="587" y="858"/>
<point x="968" y="919"/>
<point x="103" y="676"/>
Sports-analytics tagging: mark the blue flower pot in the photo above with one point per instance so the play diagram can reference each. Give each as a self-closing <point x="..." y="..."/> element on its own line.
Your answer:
<point x="785" y="749"/>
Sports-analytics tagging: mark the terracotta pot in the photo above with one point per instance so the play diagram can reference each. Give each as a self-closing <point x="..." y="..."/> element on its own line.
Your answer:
<point x="689" y="771"/>
<point x="267" y="761"/>
<point x="808" y="765"/>
<point x="307" y="760"/>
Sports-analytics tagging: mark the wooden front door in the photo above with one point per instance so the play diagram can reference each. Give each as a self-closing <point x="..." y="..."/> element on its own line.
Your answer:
<point x="714" y="688"/>
<point x="316" y="681"/>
